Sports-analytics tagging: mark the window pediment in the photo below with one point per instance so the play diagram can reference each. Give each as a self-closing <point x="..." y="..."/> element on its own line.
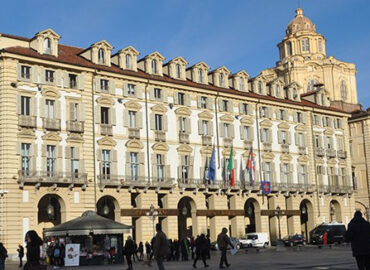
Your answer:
<point x="134" y="144"/>
<point x="332" y="162"/>
<point x="205" y="115"/>
<point x="243" y="74"/>
<point x="201" y="65"/>
<point x="155" y="55"/>
<point x="247" y="120"/>
<point x="303" y="159"/>
<point x="329" y="132"/>
<point x="285" y="158"/>
<point x="133" y="105"/>
<point x="74" y="138"/>
<point x="227" y="118"/>
<point x="268" y="156"/>
<point x="51" y="93"/>
<point x="300" y="127"/>
<point x="222" y="69"/>
<point x="108" y="101"/>
<point x="48" y="33"/>
<point x="160" y="147"/>
<point x="27" y="133"/>
<point x="179" y="60"/>
<point x="159" y="108"/>
<point x="107" y="141"/>
<point x="103" y="44"/>
<point x="129" y="50"/>
<point x="266" y="123"/>
<point x="284" y="126"/>
<point x="183" y="111"/>
<point x="184" y="148"/>
<point x="206" y="150"/>
<point x="51" y="137"/>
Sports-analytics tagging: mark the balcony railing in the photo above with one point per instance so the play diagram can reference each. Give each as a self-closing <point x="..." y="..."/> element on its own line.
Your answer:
<point x="285" y="148"/>
<point x="331" y="153"/>
<point x="27" y="121"/>
<point x="302" y="150"/>
<point x="189" y="183"/>
<point x="255" y="187"/>
<point x="75" y="126"/>
<point x="134" y="133"/>
<point x="320" y="152"/>
<point x="160" y="135"/>
<point x="51" y="123"/>
<point x="267" y="146"/>
<point x="342" y="154"/>
<point x="106" y="129"/>
<point x="183" y="137"/>
<point x="228" y="142"/>
<point x="49" y="177"/>
<point x="206" y="140"/>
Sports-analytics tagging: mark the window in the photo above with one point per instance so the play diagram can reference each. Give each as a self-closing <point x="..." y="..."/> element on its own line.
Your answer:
<point x="320" y="45"/>
<point x="299" y="117"/>
<point x="184" y="167"/>
<point x="285" y="176"/>
<point x="74" y="162"/>
<point x="338" y="123"/>
<point x="158" y="122"/>
<point x="245" y="108"/>
<point x="263" y="111"/>
<point x="157" y="93"/>
<point x="104" y="85"/>
<point x="25" y="158"/>
<point x="200" y="75"/>
<point x="265" y="135"/>
<point x="222" y="80"/>
<point x="343" y="90"/>
<point x="295" y="94"/>
<point x="241" y="83"/>
<point x="268" y="172"/>
<point x="259" y="87"/>
<point x="101" y="56"/>
<point x="128" y="58"/>
<point x="205" y="127"/>
<point x="246" y="132"/>
<point x="226" y="127"/>
<point x="289" y="48"/>
<point x="47" y="46"/>
<point x="25" y="72"/>
<point x="206" y="169"/>
<point x="181" y="98"/>
<point x="132" y="119"/>
<point x="134" y="165"/>
<point x="281" y="115"/>
<point x="328" y="143"/>
<point x="316" y="120"/>
<point x="154" y="66"/>
<point x="49" y="108"/>
<point x="203" y="102"/>
<point x="225" y="105"/>
<point x="49" y="76"/>
<point x="182" y="124"/>
<point x="25" y="105"/>
<point x="284" y="137"/>
<point x="72" y="80"/>
<point x="325" y="121"/>
<point x="131" y="89"/>
<point x="104" y="114"/>
<point x="317" y="141"/>
<point x="50" y="160"/>
<point x="278" y="91"/>
<point x="178" y="71"/>
<point x="311" y="85"/>
<point x="106" y="164"/>
<point x="73" y="116"/>
<point x="160" y="167"/>
<point x="302" y="172"/>
<point x="305" y="45"/>
<point x="300" y="139"/>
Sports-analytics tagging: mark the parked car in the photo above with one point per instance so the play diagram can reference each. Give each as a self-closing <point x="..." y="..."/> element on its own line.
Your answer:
<point x="254" y="240"/>
<point x="233" y="240"/>
<point x="294" y="239"/>
<point x="336" y="232"/>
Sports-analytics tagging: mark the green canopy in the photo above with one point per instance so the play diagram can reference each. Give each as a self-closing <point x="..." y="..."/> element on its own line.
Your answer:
<point x="89" y="222"/>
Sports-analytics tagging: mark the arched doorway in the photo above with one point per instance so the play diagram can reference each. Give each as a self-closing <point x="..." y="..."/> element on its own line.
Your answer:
<point x="252" y="216"/>
<point x="51" y="210"/>
<point x="107" y="207"/>
<point x="186" y="217"/>
<point x="306" y="217"/>
<point x="335" y="211"/>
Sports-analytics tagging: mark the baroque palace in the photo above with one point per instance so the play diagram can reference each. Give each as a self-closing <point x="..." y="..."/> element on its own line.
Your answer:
<point x="85" y="128"/>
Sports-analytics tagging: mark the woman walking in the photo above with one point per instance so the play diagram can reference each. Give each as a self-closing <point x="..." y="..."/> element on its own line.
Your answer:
<point x="20" y="251"/>
<point x="33" y="249"/>
<point x="129" y="250"/>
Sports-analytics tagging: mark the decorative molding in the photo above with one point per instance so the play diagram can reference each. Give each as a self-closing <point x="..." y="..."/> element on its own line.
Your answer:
<point x="134" y="144"/>
<point x="268" y="156"/>
<point x="159" y="108"/>
<point x="266" y="124"/>
<point x="133" y="105"/>
<point x="302" y="159"/>
<point x="105" y="101"/>
<point x="184" y="148"/>
<point x="160" y="146"/>
<point x="51" y="136"/>
<point x="247" y="120"/>
<point x="205" y="115"/>
<point x="183" y="111"/>
<point x="284" y="126"/>
<point x="107" y="141"/>
<point x="300" y="127"/>
<point x="50" y="92"/>
<point x="286" y="158"/>
<point x="206" y="150"/>
<point x="227" y="118"/>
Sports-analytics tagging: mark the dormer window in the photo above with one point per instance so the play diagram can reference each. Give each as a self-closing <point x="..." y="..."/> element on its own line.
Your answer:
<point x="128" y="61"/>
<point x="154" y="66"/>
<point x="200" y="75"/>
<point x="222" y="81"/>
<point x="259" y="87"/>
<point x="178" y="71"/>
<point x="278" y="93"/>
<point x="305" y="45"/>
<point x="241" y="83"/>
<point x="311" y="85"/>
<point x="295" y="94"/>
<point x="101" y="56"/>
<point x="47" y="46"/>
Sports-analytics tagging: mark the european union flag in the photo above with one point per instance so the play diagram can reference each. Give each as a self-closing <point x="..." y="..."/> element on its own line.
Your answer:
<point x="212" y="167"/>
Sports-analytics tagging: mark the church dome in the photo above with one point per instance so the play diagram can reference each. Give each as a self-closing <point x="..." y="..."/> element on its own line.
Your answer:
<point x="300" y="23"/>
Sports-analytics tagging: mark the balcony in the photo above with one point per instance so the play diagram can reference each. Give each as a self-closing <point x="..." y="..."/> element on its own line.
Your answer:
<point x="27" y="121"/>
<point x="216" y="185"/>
<point x="134" y="133"/>
<point x="267" y="146"/>
<point x="106" y="129"/>
<point x="285" y="148"/>
<point x="320" y="152"/>
<point x="342" y="154"/>
<point x="248" y="145"/>
<point x="183" y="137"/>
<point x="302" y="150"/>
<point x="331" y="153"/>
<point x="51" y="124"/>
<point x="206" y="140"/>
<point x="189" y="183"/>
<point x="51" y="178"/>
<point x="228" y="142"/>
<point x="255" y="187"/>
<point x="160" y="135"/>
<point x="75" y="126"/>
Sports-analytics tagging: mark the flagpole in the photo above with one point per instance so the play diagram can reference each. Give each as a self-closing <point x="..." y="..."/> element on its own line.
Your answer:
<point x="259" y="152"/>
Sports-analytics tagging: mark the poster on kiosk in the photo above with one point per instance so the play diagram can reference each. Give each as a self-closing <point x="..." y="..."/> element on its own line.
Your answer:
<point x="72" y="255"/>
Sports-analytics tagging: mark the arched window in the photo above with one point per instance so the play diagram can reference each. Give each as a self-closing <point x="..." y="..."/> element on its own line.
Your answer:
<point x="200" y="75"/>
<point x="47" y="45"/>
<point x="221" y="78"/>
<point x="101" y="56"/>
<point x="128" y="61"/>
<point x="154" y="66"/>
<point x="178" y="71"/>
<point x="259" y="87"/>
<point x="289" y="48"/>
<point x="343" y="90"/>
<point x="311" y="85"/>
<point x="241" y="83"/>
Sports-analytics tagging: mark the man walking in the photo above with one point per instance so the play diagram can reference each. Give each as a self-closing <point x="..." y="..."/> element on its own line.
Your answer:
<point x="3" y="256"/>
<point x="160" y="246"/>
<point x="129" y="251"/>
<point x="358" y="234"/>
<point x="201" y="247"/>
<point x="223" y="241"/>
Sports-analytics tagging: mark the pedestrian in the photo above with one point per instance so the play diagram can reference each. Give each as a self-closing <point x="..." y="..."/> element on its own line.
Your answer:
<point x="184" y="250"/>
<point x="208" y="247"/>
<point x="129" y="251"/>
<point x="201" y="247"/>
<point x="134" y="255"/>
<point x="358" y="234"/>
<point x="57" y="254"/>
<point x="148" y="250"/>
<point x="169" y="255"/>
<point x="3" y="256"/>
<point x="325" y="238"/>
<point x="223" y="241"/>
<point x="20" y="251"/>
<point x="192" y="246"/>
<point x="160" y="247"/>
<point x="140" y="249"/>
<point x="176" y="247"/>
<point x="33" y="249"/>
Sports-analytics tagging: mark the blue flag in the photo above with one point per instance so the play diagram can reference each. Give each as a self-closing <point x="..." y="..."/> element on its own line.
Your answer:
<point x="212" y="167"/>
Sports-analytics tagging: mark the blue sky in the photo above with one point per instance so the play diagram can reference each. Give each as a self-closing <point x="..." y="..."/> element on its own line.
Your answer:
<point x="240" y="34"/>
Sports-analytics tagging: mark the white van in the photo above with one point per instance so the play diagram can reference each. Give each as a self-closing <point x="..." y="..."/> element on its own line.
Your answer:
<point x="254" y="240"/>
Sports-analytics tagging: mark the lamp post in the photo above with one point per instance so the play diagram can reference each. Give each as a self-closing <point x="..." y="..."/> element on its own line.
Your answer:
<point x="304" y="219"/>
<point x="152" y="213"/>
<point x="278" y="213"/>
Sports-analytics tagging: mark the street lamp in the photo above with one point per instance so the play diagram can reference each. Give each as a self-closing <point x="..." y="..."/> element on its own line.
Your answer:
<point x="279" y="212"/>
<point x="152" y="213"/>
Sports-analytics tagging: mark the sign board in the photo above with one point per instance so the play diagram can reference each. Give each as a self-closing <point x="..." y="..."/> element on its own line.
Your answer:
<point x="272" y="213"/>
<point x="266" y="187"/>
<point x="72" y="255"/>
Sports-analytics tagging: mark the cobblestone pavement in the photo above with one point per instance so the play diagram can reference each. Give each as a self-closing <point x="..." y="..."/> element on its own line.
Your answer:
<point x="291" y="258"/>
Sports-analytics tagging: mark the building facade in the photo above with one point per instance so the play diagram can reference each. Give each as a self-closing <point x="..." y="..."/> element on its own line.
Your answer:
<point x="87" y="129"/>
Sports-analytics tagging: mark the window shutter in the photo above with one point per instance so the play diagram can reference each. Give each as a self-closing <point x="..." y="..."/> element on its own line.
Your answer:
<point x="250" y="109"/>
<point x="35" y="74"/>
<point x="307" y="171"/>
<point x="152" y="121"/>
<point x="151" y="93"/>
<point x="281" y="173"/>
<point x="210" y="102"/>
<point x="165" y="124"/>
<point x="33" y="156"/>
<point x="295" y="117"/>
<point x="220" y="105"/>
<point x="202" y="176"/>
<point x="141" y="158"/>
<point x="251" y="133"/>
<point x="19" y="104"/>
<point x="241" y="111"/>
<point x="273" y="172"/>
<point x="154" y="165"/>
<point x="139" y="91"/>
<point x="210" y="128"/>
<point x="304" y="139"/>
<point x="42" y="76"/>
<point x="58" y="78"/>
<point x="299" y="174"/>
<point x="112" y="112"/>
<point x="19" y="72"/>
<point x="164" y="95"/>
<point x="112" y="87"/>
<point x="57" y="109"/>
<point x="71" y="110"/>
<point x="270" y="136"/>
<point x="167" y="171"/>
<point x="18" y="148"/>
<point x="270" y="112"/>
<point x="304" y="118"/>
<point x="199" y="103"/>
<point x="242" y="132"/>
<point x="191" y="165"/>
<point x="280" y="141"/>
<point x="81" y="112"/>
<point x="261" y="135"/>
<point x="125" y="118"/>
<point x="97" y="114"/>
<point x="125" y="89"/>
<point x="34" y="106"/>
<point x="200" y="127"/>
<point x="289" y="137"/>
<point x="230" y="108"/>
<point x="139" y="120"/>
<point x="114" y="162"/>
<point x="175" y="98"/>
<point x="232" y="131"/>
<point x="222" y="132"/>
<point x="187" y="126"/>
<point x="187" y="100"/>
<point x="67" y="152"/>
<point x="81" y="82"/>
<point x="290" y="173"/>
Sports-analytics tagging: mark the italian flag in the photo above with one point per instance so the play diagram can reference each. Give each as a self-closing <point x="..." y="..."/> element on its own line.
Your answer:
<point x="230" y="168"/>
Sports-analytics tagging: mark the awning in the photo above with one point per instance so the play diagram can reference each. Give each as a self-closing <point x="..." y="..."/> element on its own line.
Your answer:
<point x="88" y="223"/>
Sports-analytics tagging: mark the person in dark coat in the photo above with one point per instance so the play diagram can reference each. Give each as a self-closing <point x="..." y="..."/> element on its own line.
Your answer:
<point x="33" y="249"/>
<point x="192" y="247"/>
<point x="208" y="247"/>
<point x="358" y="234"/>
<point x="223" y="241"/>
<point x="176" y="247"/>
<point x="129" y="251"/>
<point x="201" y="247"/>
<point x="140" y="250"/>
<point x="148" y="250"/>
<point x="3" y="256"/>
<point x="184" y="250"/>
<point x="160" y="246"/>
<point x="20" y="251"/>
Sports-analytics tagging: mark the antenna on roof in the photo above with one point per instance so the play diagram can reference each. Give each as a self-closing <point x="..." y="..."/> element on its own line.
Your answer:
<point x="299" y="3"/>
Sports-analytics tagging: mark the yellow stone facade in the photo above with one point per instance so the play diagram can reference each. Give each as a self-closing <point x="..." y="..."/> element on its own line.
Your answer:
<point x="85" y="129"/>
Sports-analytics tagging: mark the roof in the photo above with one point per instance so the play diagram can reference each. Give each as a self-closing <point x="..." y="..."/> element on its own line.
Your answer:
<point x="300" y="23"/>
<point x="88" y="222"/>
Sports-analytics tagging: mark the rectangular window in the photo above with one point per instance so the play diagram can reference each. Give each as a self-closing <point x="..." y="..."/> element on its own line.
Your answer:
<point x="25" y="158"/>
<point x="106" y="164"/>
<point x="263" y="111"/>
<point x="181" y="98"/>
<point x="104" y="114"/>
<point x="300" y="139"/>
<point x="246" y="132"/>
<point x="265" y="135"/>
<point x="72" y="80"/>
<point x="245" y="108"/>
<point x="185" y="167"/>
<point x="267" y="171"/>
<point x="104" y="85"/>
<point x="317" y="141"/>
<point x="49" y="76"/>
<point x="284" y="137"/>
<point x="160" y="167"/>
<point x="281" y="115"/>
<point x="302" y="171"/>
<point x="131" y="89"/>
<point x="49" y="108"/>
<point x="132" y="119"/>
<point x="73" y="112"/>
<point x="299" y="117"/>
<point x="25" y="72"/>
<point x="158" y="93"/>
<point x="316" y="120"/>
<point x="25" y="105"/>
<point x="134" y="165"/>
<point x="226" y="130"/>
<point x="328" y="143"/>
<point x="182" y="124"/>
<point x="285" y="173"/>
<point x="74" y="162"/>
<point x="205" y="127"/>
<point x="305" y="45"/>
<point x="203" y="102"/>
<point x="50" y="160"/>
<point x="325" y="121"/>
<point x="158" y="122"/>
<point x="225" y="105"/>
<point x="241" y="84"/>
